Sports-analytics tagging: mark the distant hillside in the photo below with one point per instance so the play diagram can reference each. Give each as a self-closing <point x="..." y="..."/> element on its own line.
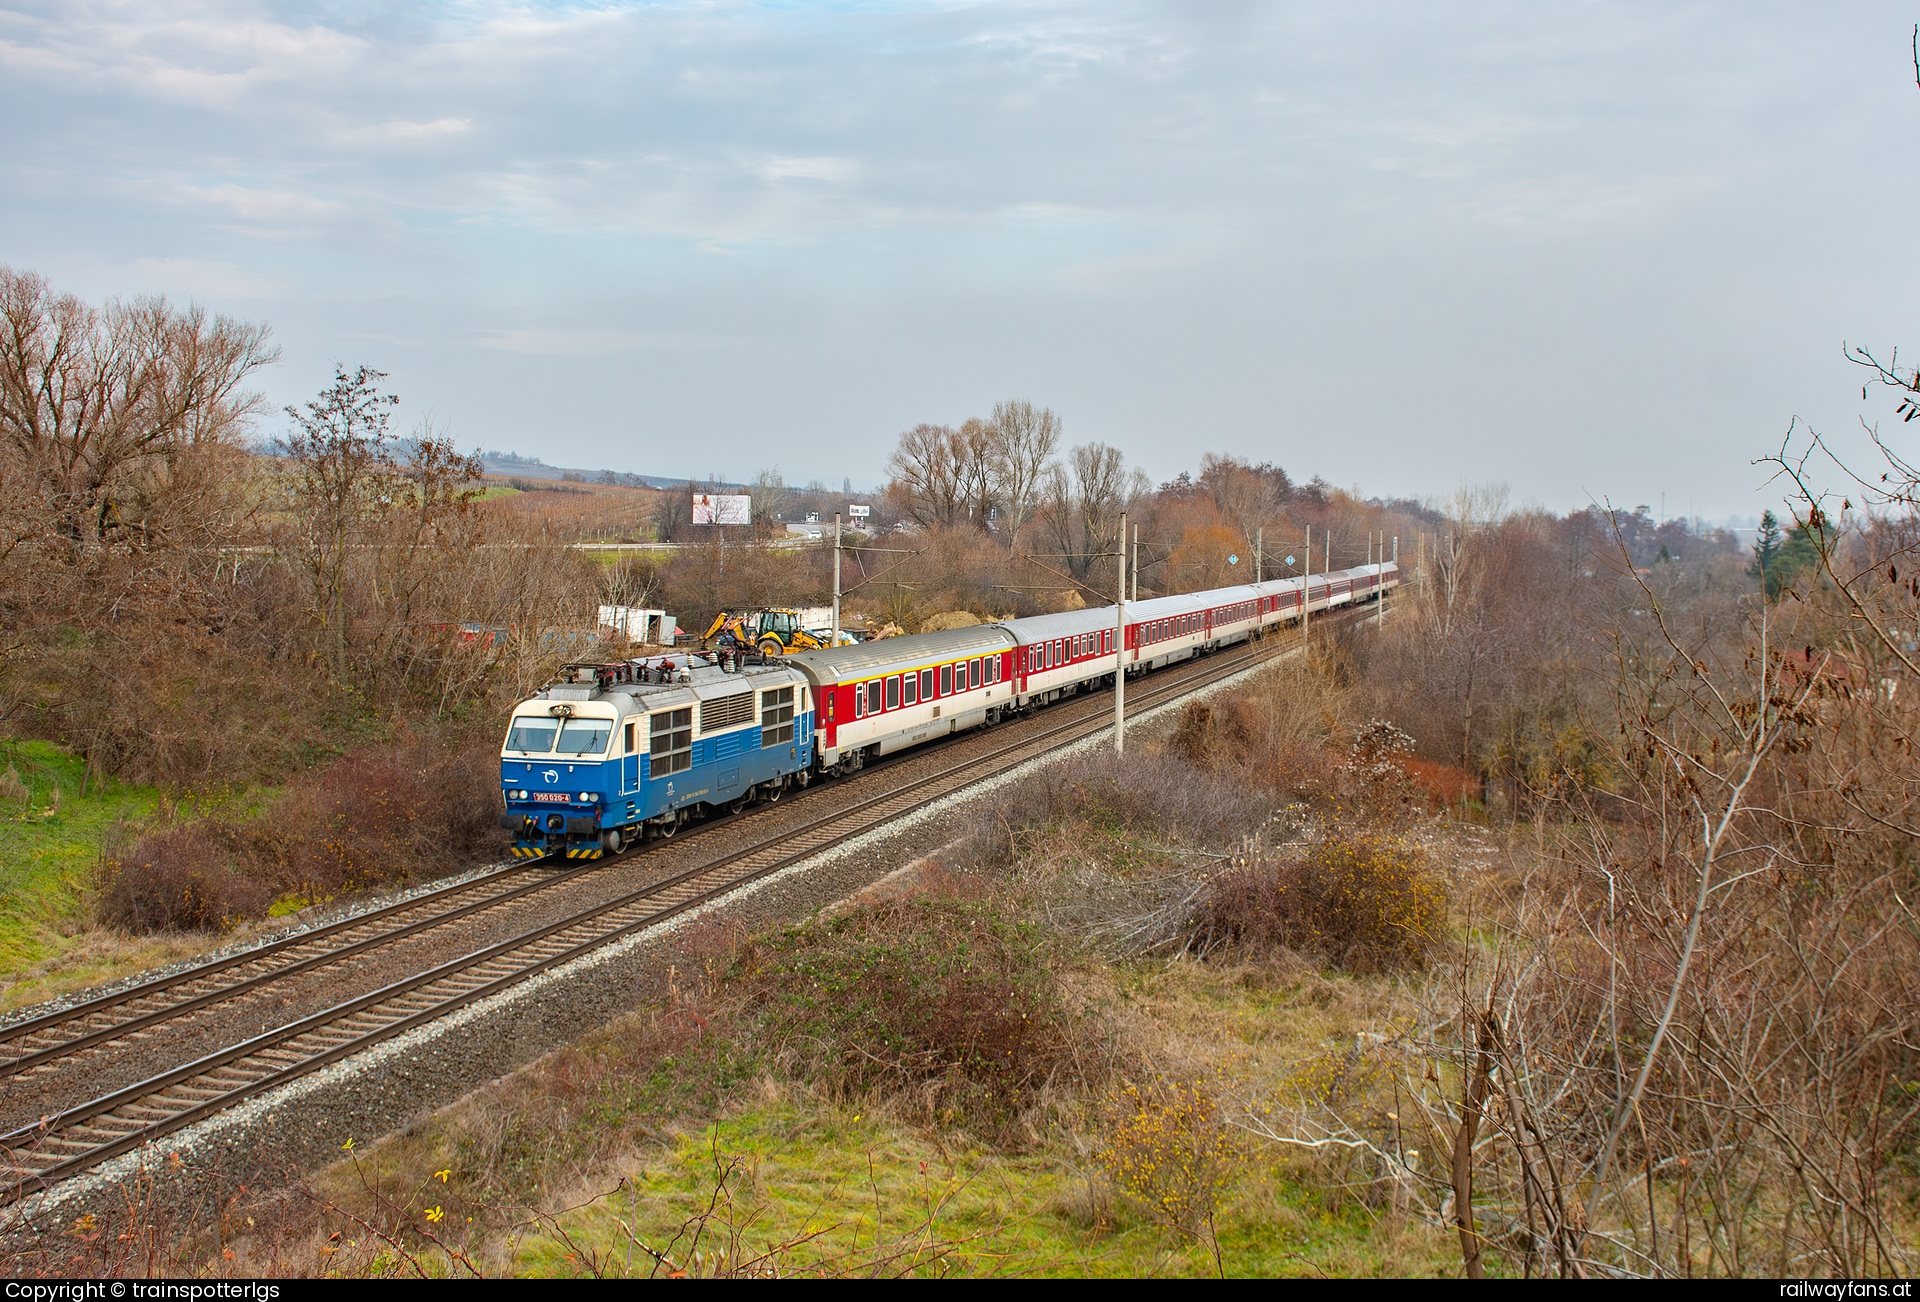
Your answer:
<point x="513" y="463"/>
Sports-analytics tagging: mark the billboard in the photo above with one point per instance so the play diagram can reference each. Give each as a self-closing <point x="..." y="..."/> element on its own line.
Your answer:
<point x="722" y="508"/>
<point x="859" y="512"/>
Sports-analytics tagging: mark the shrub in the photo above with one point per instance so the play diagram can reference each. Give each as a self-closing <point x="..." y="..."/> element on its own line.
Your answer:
<point x="377" y="815"/>
<point x="179" y="879"/>
<point x="1158" y="794"/>
<point x="948" y="999"/>
<point x="1363" y="899"/>
<point x="384" y="814"/>
<point x="1167" y="1151"/>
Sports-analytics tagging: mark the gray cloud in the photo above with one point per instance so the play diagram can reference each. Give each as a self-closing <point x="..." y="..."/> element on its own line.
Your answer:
<point x="1585" y="249"/>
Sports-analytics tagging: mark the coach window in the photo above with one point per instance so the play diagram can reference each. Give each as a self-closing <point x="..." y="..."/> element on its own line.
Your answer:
<point x="946" y="679"/>
<point x="926" y="684"/>
<point x="908" y="682"/>
<point x="893" y="692"/>
<point x="859" y="700"/>
<point x="873" y="697"/>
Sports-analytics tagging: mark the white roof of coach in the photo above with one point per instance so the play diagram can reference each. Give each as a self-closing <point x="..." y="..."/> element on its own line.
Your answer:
<point x="892" y="654"/>
<point x="1029" y="629"/>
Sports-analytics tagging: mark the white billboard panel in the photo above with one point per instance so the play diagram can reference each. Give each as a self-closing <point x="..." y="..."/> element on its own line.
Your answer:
<point x="722" y="508"/>
<point x="859" y="512"/>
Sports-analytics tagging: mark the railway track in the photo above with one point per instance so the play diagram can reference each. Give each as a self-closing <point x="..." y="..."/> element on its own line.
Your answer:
<point x="63" y="1144"/>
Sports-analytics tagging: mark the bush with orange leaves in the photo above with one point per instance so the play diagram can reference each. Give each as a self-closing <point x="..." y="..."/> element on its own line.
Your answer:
<point x="1362" y="898"/>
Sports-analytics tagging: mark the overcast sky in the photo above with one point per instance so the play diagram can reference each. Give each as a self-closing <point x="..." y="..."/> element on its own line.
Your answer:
<point x="1596" y="251"/>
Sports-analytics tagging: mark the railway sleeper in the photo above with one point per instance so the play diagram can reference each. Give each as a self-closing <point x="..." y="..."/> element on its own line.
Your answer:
<point x="57" y="1148"/>
<point x="192" y="1094"/>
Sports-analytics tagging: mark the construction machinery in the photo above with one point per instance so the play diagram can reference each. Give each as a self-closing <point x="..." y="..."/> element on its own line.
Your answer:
<point x="776" y="631"/>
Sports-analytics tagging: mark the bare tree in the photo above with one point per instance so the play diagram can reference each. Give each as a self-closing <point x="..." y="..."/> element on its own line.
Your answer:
<point x="673" y="513"/>
<point x="976" y="456"/>
<point x="93" y="400"/>
<point x="360" y="513"/>
<point x="1248" y="495"/>
<point x="1083" y="503"/>
<point x="1026" y="439"/>
<point x="927" y="477"/>
<point x="770" y="497"/>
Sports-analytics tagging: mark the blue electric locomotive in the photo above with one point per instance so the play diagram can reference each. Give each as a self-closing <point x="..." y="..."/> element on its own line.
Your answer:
<point x="614" y="753"/>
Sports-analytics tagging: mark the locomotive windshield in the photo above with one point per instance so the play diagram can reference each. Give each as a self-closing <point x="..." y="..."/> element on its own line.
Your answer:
<point x="533" y="735"/>
<point x="584" y="737"/>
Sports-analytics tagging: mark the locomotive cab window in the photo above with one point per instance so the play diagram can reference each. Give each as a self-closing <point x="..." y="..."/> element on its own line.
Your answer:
<point x="776" y="717"/>
<point x="672" y="742"/>
<point x="629" y="738"/>
<point x="533" y="736"/>
<point x="584" y="737"/>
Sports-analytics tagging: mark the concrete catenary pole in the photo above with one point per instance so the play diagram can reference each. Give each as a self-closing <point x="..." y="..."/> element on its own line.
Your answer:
<point x="1120" y="646"/>
<point x="1306" y="587"/>
<point x="1136" y="562"/>
<point x="836" y="580"/>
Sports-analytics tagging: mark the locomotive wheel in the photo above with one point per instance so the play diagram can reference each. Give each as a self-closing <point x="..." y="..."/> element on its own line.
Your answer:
<point x="772" y="792"/>
<point x="667" y="829"/>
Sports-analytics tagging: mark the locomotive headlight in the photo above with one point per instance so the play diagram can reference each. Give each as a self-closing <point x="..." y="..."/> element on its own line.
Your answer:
<point x="520" y="794"/>
<point x="586" y="797"/>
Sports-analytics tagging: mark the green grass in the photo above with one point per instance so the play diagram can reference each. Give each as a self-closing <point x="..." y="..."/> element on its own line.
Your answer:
<point x="866" y="1192"/>
<point x="50" y="842"/>
<point x="50" y="846"/>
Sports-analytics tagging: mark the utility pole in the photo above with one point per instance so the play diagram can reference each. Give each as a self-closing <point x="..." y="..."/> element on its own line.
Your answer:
<point x="1256" y="554"/>
<point x="1380" y="585"/>
<point x="1120" y="645"/>
<point x="1136" y="563"/>
<point x="836" y="580"/>
<point x="1306" y="586"/>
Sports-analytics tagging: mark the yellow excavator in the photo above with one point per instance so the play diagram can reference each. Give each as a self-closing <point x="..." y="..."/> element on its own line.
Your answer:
<point x="773" y="632"/>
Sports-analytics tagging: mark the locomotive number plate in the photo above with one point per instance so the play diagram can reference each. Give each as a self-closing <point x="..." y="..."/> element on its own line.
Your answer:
<point x="551" y="797"/>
